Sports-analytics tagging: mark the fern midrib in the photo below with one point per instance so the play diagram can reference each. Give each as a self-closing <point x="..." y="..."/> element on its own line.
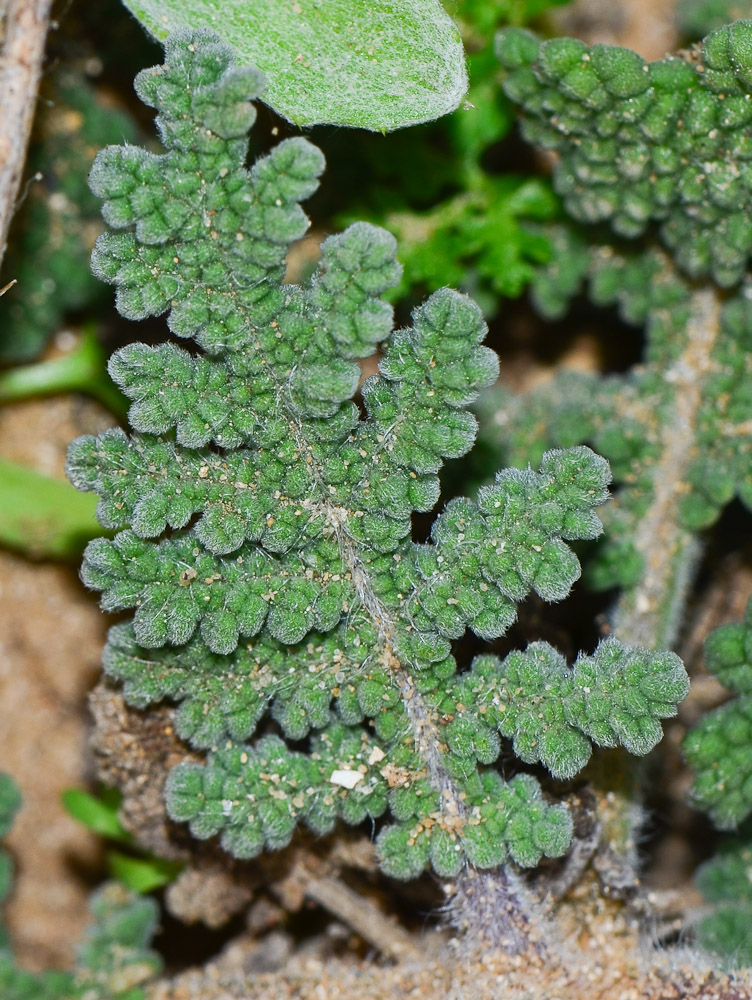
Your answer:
<point x="426" y="735"/>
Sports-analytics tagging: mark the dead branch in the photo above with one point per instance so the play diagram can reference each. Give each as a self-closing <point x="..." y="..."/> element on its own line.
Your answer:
<point x="23" y="29"/>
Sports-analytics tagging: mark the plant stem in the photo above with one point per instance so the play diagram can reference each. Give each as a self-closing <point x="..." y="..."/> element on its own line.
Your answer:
<point x="495" y="909"/>
<point x="23" y="29"/>
<point x="650" y="614"/>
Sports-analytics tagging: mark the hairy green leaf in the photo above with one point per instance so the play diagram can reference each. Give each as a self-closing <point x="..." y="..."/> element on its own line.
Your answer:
<point x="381" y="65"/>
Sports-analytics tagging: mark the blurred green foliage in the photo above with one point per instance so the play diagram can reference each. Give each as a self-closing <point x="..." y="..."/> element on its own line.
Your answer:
<point x="461" y="219"/>
<point x="54" y="231"/>
<point x="43" y="516"/>
<point x="485" y="16"/>
<point x="136" y="869"/>
<point x="697" y="18"/>
<point x="726" y="883"/>
<point x="114" y="959"/>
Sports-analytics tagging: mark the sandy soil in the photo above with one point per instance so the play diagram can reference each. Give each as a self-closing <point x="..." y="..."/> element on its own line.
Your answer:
<point x="594" y="955"/>
<point x="647" y="26"/>
<point x="51" y="634"/>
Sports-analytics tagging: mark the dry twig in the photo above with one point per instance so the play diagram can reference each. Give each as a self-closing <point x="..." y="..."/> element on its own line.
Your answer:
<point x="22" y="35"/>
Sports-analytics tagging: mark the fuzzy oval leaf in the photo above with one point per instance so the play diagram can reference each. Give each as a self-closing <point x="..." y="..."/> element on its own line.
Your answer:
<point x="380" y="65"/>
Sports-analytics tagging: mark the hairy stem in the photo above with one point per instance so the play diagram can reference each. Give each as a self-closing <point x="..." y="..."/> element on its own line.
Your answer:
<point x="23" y="29"/>
<point x="650" y="614"/>
<point x="492" y="908"/>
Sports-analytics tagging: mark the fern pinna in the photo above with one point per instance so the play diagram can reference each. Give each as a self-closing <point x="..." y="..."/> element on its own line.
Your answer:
<point x="286" y="600"/>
